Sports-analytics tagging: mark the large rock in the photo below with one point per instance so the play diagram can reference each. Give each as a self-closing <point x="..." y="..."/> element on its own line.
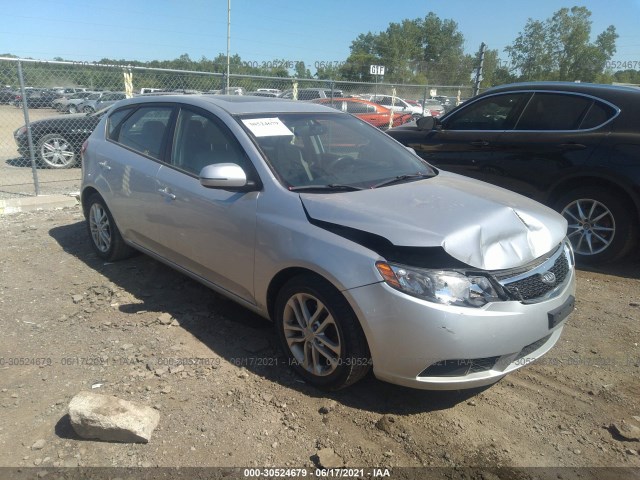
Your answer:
<point x="108" y="418"/>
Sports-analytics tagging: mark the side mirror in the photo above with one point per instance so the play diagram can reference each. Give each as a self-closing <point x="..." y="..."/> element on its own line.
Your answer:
<point x="223" y="176"/>
<point x="426" y="123"/>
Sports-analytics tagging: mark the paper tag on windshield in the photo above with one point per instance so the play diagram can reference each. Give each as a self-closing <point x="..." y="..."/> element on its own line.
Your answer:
<point x="267" y="127"/>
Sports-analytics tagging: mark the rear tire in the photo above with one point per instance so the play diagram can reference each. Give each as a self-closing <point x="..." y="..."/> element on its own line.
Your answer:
<point x="602" y="227"/>
<point x="106" y="239"/>
<point x="320" y="334"/>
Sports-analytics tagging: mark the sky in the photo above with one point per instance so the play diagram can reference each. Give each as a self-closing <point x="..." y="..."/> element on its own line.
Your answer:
<point x="266" y="30"/>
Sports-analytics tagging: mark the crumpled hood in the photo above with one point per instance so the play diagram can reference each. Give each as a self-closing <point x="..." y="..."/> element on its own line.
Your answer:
<point x="484" y="226"/>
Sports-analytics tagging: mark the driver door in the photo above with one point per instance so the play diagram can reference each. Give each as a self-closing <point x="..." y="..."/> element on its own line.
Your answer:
<point x="210" y="232"/>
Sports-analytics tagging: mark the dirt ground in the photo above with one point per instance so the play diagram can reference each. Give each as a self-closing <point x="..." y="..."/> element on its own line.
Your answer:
<point x="143" y="332"/>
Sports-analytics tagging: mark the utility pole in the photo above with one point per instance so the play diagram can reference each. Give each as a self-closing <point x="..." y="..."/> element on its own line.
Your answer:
<point x="478" y="80"/>
<point x="228" y="40"/>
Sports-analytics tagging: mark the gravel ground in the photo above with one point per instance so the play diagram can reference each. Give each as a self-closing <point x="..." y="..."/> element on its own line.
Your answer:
<point x="138" y="330"/>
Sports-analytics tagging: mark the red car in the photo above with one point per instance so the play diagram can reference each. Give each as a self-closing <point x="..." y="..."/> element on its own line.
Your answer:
<point x="370" y="112"/>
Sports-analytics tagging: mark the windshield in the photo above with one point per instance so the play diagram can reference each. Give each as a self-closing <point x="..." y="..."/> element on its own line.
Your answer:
<point x="331" y="150"/>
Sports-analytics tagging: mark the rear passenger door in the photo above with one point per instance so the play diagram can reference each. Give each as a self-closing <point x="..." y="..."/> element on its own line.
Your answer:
<point x="210" y="232"/>
<point x="129" y="162"/>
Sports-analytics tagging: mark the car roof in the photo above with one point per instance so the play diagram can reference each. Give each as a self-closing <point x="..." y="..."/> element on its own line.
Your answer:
<point x="596" y="89"/>
<point x="235" y="104"/>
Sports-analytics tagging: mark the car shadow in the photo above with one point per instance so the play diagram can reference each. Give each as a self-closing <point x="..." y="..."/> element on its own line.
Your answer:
<point x="628" y="268"/>
<point x="23" y="162"/>
<point x="234" y="333"/>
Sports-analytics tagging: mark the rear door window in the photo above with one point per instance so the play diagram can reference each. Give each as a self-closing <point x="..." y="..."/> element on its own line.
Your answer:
<point x="145" y="130"/>
<point x="554" y="111"/>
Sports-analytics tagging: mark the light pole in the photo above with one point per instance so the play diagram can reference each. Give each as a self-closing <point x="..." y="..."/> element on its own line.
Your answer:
<point x="228" y="40"/>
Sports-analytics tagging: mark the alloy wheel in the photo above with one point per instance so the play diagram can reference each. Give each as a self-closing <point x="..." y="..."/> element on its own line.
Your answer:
<point x="100" y="227"/>
<point x="56" y="152"/>
<point x="312" y="334"/>
<point x="592" y="226"/>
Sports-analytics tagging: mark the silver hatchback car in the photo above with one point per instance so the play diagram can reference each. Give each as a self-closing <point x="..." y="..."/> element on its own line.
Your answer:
<point x="362" y="254"/>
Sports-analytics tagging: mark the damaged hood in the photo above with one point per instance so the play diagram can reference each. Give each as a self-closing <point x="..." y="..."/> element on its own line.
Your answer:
<point x="481" y="225"/>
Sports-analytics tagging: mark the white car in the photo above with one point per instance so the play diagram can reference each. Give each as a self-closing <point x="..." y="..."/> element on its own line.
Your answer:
<point x="397" y="104"/>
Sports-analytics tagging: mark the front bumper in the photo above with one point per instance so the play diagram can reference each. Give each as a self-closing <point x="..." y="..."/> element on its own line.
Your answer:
<point x="430" y="346"/>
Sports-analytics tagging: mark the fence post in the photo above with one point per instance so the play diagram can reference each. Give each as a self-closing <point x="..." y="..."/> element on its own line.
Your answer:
<point x="25" y="111"/>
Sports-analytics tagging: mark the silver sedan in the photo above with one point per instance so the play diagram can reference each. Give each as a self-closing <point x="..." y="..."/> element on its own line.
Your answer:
<point x="363" y="255"/>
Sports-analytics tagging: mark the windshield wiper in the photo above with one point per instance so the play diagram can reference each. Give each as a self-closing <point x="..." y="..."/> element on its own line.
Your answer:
<point x="331" y="187"/>
<point x="402" y="178"/>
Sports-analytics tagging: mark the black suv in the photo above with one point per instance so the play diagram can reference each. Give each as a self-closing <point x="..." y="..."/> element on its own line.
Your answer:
<point x="572" y="146"/>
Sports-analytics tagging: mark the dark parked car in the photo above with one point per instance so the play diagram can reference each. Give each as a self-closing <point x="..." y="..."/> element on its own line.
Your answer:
<point x="36" y="98"/>
<point x="7" y="95"/>
<point x="572" y="146"/>
<point x="58" y="140"/>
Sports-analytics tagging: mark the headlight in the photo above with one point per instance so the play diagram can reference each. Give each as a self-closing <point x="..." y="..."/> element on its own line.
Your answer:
<point x="20" y="132"/>
<point x="440" y="286"/>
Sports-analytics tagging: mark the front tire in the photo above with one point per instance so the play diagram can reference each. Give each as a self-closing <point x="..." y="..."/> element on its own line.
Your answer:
<point x="320" y="334"/>
<point x="601" y="226"/>
<point x="55" y="151"/>
<point x="106" y="239"/>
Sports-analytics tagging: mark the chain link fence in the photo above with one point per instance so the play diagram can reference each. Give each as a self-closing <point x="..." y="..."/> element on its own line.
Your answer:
<point x="48" y="109"/>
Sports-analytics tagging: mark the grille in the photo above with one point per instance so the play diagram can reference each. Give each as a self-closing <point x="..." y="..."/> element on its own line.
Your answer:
<point x="532" y="286"/>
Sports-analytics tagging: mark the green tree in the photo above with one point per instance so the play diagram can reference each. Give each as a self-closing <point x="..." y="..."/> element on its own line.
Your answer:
<point x="425" y="49"/>
<point x="560" y="48"/>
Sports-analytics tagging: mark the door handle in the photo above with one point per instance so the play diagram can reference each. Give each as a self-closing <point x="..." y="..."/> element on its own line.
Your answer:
<point x="166" y="193"/>
<point x="573" y="146"/>
<point x="104" y="165"/>
<point x="480" y="143"/>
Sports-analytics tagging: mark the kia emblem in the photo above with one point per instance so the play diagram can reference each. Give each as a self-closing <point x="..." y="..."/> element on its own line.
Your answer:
<point x="548" y="278"/>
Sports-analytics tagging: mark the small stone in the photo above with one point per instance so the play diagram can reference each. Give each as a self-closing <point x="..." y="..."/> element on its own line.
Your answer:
<point x="631" y="451"/>
<point x="166" y="389"/>
<point x="161" y="371"/>
<point x="327" y="458"/>
<point x="243" y="374"/>
<point x="328" y="407"/>
<point x="176" y="369"/>
<point x="77" y="298"/>
<point x="175" y="323"/>
<point x="626" y="430"/>
<point x="471" y="403"/>
<point x="39" y="445"/>
<point x="385" y="423"/>
<point x="577" y="451"/>
<point x="165" y="319"/>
